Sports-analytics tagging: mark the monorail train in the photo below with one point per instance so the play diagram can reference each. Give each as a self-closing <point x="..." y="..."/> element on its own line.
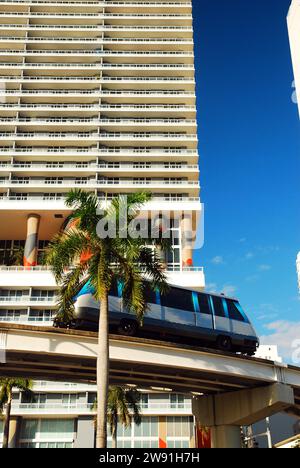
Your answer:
<point x="183" y="315"/>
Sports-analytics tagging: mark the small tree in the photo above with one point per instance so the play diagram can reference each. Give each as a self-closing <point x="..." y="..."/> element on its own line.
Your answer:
<point x="6" y="388"/>
<point x="123" y="408"/>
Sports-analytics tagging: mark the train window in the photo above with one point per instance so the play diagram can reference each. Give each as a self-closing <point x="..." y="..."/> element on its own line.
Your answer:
<point x="178" y="299"/>
<point x="218" y="306"/>
<point x="204" y="304"/>
<point x="234" y="313"/>
<point x="114" y="289"/>
<point x="150" y="295"/>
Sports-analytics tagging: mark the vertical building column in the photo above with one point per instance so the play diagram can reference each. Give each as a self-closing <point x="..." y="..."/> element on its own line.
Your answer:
<point x="186" y="227"/>
<point x="31" y="245"/>
<point x="162" y="431"/>
<point x="226" y="437"/>
<point x="14" y="430"/>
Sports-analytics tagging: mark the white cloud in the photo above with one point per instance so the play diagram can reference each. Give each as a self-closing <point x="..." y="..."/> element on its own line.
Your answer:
<point x="267" y="312"/>
<point x="249" y="255"/>
<point x="211" y="287"/>
<point x="252" y="278"/>
<point x="218" y="260"/>
<point x="264" y="267"/>
<point x="286" y="335"/>
<point x="229" y="289"/>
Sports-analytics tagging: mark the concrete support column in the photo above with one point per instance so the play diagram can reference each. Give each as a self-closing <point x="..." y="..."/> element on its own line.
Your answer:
<point x="226" y="437"/>
<point x="162" y="430"/>
<point x="31" y="245"/>
<point x="186" y="226"/>
<point x="14" y="430"/>
<point x="225" y="413"/>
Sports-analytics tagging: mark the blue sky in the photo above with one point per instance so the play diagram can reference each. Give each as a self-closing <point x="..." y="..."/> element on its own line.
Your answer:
<point x="249" y="143"/>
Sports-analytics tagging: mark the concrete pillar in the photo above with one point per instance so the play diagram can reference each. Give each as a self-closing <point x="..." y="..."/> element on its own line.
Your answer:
<point x="85" y="437"/>
<point x="225" y="413"/>
<point x="186" y="226"/>
<point x="31" y="245"/>
<point x="162" y="432"/>
<point x="14" y="429"/>
<point x="226" y="437"/>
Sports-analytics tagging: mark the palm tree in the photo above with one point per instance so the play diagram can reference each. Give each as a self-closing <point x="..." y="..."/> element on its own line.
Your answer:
<point x="123" y="408"/>
<point x="101" y="261"/>
<point x="6" y="387"/>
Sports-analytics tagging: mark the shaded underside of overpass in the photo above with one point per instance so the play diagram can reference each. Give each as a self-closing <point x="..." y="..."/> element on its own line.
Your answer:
<point x="66" y="355"/>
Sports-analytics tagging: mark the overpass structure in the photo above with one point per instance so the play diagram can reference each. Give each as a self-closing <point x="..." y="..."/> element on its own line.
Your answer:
<point x="229" y="390"/>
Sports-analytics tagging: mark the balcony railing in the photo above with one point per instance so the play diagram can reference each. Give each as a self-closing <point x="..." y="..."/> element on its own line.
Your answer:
<point x="109" y="166"/>
<point x="170" y="268"/>
<point x="95" y="183"/>
<point x="89" y="408"/>
<point x="27" y="299"/>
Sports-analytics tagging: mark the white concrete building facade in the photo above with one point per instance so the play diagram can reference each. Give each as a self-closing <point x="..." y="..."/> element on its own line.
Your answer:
<point x="294" y="33"/>
<point x="98" y="96"/>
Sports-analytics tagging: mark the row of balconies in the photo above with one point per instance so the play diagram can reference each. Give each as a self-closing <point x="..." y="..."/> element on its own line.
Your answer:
<point x="98" y="40"/>
<point x="96" y="122"/>
<point x="105" y="79"/>
<point x="60" y="197"/>
<point x="100" y="7"/>
<point x="102" y="27"/>
<point x="88" y="409"/>
<point x="119" y="151"/>
<point x="189" y="277"/>
<point x="99" y="135"/>
<point x="104" y="92"/>
<point x="82" y="65"/>
<point x="94" y="167"/>
<point x="94" y="52"/>
<point x="103" y="4"/>
<point x="100" y="107"/>
<point x="99" y="15"/>
<point x="56" y="182"/>
<point x="28" y="301"/>
<point x="113" y="66"/>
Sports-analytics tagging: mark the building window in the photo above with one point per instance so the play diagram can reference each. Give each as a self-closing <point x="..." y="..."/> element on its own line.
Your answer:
<point x="148" y="428"/>
<point x="179" y="431"/>
<point x="176" y="401"/>
<point x="47" y="433"/>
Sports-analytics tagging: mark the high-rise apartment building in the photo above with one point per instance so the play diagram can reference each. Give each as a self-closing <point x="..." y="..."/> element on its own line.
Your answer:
<point x="294" y="33"/>
<point x="98" y="96"/>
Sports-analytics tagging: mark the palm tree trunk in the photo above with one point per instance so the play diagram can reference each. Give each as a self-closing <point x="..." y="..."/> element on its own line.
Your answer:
<point x="114" y="436"/>
<point x="102" y="374"/>
<point x="6" y="424"/>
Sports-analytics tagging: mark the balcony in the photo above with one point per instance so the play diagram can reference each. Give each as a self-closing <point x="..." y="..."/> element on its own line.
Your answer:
<point x="186" y="277"/>
<point x="111" y="184"/>
<point x="21" y="409"/>
<point x="109" y="168"/>
<point x="88" y="408"/>
<point x="17" y="301"/>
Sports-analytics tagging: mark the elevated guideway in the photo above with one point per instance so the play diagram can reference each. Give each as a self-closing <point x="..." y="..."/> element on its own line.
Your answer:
<point x="229" y="390"/>
<point x="58" y="354"/>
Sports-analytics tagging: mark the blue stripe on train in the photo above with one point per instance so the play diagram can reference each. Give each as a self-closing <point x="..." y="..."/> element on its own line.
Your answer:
<point x="88" y="288"/>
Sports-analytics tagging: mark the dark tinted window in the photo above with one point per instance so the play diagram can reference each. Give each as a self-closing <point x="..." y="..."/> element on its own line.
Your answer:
<point x="218" y="307"/>
<point x="233" y="311"/>
<point x="178" y="299"/>
<point x="114" y="289"/>
<point x="204" y="304"/>
<point x="151" y="295"/>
